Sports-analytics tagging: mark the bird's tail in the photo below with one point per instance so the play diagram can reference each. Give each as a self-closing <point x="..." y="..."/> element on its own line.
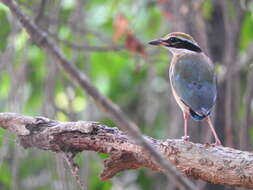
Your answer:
<point x="197" y="116"/>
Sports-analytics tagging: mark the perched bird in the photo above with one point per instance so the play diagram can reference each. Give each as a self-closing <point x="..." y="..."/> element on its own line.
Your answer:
<point x="192" y="78"/>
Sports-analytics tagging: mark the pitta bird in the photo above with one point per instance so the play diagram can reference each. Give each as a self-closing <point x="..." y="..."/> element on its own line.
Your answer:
<point x="192" y="79"/>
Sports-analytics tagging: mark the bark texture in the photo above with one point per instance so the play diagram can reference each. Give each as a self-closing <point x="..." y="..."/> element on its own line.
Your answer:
<point x="219" y="165"/>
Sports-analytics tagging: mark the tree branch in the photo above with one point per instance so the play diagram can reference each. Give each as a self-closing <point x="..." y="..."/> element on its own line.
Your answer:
<point x="41" y="39"/>
<point x="219" y="165"/>
<point x="83" y="47"/>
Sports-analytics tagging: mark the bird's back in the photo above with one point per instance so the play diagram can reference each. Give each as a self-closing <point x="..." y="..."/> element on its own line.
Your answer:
<point x="193" y="79"/>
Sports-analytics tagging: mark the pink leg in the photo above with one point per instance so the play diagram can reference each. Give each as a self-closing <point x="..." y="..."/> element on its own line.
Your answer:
<point x="217" y="140"/>
<point x="185" y="137"/>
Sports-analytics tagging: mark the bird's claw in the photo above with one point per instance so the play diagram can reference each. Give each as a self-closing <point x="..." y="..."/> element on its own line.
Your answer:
<point x="217" y="143"/>
<point x="185" y="138"/>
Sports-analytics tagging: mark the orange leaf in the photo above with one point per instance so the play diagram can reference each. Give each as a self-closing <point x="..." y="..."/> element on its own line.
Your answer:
<point x="120" y="26"/>
<point x="167" y="15"/>
<point x="133" y="44"/>
<point x="164" y="9"/>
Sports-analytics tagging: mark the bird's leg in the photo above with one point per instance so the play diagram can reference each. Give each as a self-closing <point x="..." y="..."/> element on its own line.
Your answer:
<point x="217" y="140"/>
<point x="185" y="137"/>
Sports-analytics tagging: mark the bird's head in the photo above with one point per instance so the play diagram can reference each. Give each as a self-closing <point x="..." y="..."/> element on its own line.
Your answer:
<point x="177" y="42"/>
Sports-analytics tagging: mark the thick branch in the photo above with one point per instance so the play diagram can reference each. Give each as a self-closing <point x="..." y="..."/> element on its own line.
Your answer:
<point x="219" y="165"/>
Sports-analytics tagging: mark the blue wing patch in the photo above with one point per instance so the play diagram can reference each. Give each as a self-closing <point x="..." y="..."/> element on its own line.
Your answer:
<point x="194" y="82"/>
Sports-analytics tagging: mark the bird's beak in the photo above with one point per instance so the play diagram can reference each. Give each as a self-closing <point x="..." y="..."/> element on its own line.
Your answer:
<point x="158" y="42"/>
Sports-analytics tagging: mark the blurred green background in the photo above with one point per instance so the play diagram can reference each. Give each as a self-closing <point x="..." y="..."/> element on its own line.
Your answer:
<point x="125" y="69"/>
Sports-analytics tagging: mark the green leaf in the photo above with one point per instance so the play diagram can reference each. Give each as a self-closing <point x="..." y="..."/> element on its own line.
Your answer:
<point x="61" y="100"/>
<point x="5" y="83"/>
<point x="103" y="156"/>
<point x="207" y="9"/>
<point x="246" y="35"/>
<point x="79" y="104"/>
<point x="2" y="133"/>
<point x="61" y="116"/>
<point x="5" y="176"/>
<point x="21" y="40"/>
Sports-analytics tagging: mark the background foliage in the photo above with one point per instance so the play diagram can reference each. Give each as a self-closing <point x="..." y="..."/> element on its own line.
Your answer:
<point x="107" y="40"/>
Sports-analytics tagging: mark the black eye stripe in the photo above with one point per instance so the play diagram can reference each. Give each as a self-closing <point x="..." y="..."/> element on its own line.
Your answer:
<point x="182" y="44"/>
<point x="172" y="40"/>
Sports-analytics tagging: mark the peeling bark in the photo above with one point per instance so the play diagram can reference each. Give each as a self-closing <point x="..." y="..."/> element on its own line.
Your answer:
<point x="219" y="165"/>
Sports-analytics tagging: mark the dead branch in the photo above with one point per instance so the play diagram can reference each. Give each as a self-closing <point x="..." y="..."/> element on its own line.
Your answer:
<point x="219" y="165"/>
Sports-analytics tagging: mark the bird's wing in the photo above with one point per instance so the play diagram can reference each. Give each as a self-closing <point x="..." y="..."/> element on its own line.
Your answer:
<point x="193" y="80"/>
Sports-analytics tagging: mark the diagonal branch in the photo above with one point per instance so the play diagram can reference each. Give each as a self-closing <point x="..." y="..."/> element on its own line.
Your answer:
<point x="41" y="39"/>
<point x="219" y="165"/>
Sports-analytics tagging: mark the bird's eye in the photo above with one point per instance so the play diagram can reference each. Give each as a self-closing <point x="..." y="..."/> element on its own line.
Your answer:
<point x="173" y="40"/>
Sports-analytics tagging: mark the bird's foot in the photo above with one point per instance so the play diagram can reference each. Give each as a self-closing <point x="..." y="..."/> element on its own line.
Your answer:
<point x="217" y="143"/>
<point x="185" y="138"/>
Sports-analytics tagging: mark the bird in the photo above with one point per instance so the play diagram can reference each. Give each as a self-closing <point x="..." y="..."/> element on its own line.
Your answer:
<point x="192" y="79"/>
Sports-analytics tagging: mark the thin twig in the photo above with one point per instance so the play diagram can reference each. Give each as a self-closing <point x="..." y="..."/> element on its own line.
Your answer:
<point x="232" y="28"/>
<point x="41" y="11"/>
<point x="244" y="139"/>
<point x="244" y="62"/>
<point x="83" y="47"/>
<point x="69" y="158"/>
